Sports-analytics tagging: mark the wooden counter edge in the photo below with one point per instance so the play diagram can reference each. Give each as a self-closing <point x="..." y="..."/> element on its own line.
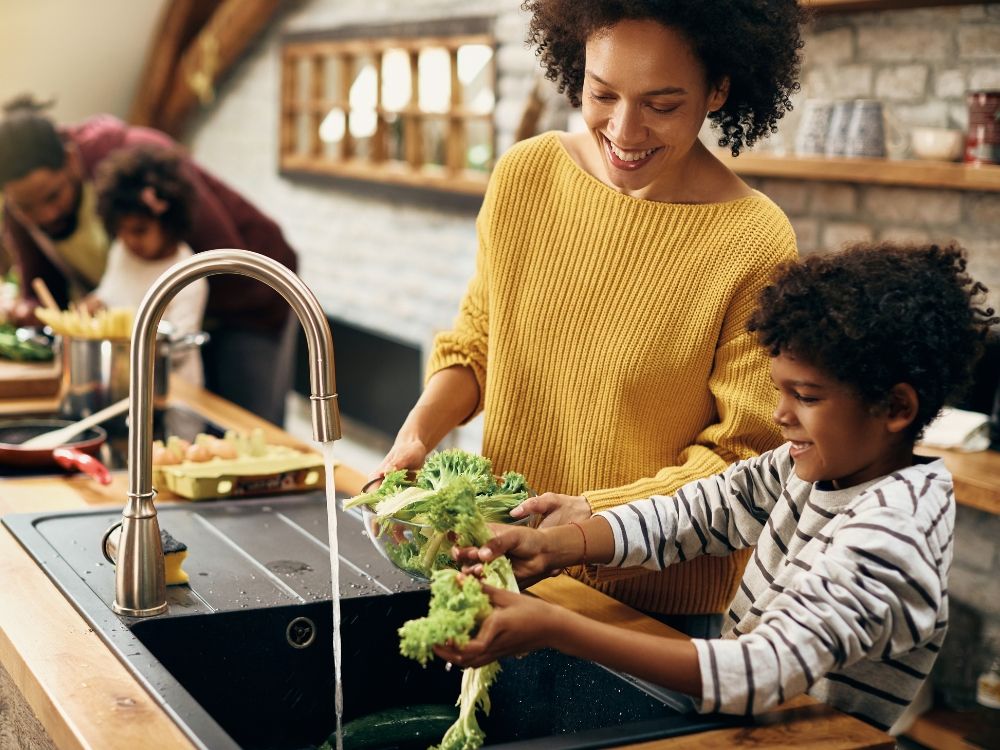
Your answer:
<point x="86" y="698"/>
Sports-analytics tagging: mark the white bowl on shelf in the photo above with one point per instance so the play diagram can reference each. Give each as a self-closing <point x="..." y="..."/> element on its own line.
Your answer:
<point x="937" y="144"/>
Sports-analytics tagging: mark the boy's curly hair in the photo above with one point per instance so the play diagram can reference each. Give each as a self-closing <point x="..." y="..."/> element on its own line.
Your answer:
<point x="874" y="316"/>
<point x="148" y="181"/>
<point x="755" y="43"/>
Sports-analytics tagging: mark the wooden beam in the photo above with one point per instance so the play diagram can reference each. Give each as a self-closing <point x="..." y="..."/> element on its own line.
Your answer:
<point x="179" y="23"/>
<point x="210" y="55"/>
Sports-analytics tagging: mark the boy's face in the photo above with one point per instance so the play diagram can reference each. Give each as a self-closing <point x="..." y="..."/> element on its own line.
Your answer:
<point x="834" y="435"/>
<point x="144" y="238"/>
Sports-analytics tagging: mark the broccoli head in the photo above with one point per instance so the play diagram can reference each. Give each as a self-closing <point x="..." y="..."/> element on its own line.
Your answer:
<point x="442" y="467"/>
<point x="454" y="509"/>
<point x="457" y="606"/>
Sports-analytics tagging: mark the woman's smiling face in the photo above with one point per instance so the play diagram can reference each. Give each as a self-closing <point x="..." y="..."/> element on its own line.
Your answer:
<point x="645" y="99"/>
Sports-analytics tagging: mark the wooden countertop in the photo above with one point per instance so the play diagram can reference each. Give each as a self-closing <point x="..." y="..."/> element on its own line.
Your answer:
<point x="85" y="698"/>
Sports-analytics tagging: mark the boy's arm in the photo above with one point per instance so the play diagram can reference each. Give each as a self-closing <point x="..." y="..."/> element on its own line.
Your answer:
<point x="712" y="516"/>
<point x="521" y="623"/>
<point x="874" y="593"/>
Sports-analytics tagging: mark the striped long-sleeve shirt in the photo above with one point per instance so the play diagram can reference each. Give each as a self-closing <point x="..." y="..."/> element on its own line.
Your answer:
<point x="845" y="596"/>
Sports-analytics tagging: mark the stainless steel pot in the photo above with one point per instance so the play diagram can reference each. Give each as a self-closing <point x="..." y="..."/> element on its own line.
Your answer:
<point x="96" y="371"/>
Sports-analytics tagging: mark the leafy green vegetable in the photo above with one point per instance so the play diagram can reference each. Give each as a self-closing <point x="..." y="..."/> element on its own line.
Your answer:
<point x="13" y="347"/>
<point x="403" y="507"/>
<point x="458" y="606"/>
<point x="442" y="467"/>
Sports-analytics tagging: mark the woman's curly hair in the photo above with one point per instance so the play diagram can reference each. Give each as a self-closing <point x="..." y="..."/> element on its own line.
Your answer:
<point x="874" y="316"/>
<point x="755" y="43"/>
<point x="148" y="181"/>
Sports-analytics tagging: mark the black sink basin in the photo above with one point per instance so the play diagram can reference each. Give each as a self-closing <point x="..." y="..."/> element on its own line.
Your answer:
<point x="244" y="658"/>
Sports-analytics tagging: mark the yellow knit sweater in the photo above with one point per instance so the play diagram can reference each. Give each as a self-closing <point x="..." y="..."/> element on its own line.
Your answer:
<point x="608" y="337"/>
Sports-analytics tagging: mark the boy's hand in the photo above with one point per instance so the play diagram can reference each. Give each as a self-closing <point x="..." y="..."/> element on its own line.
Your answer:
<point x="525" y="548"/>
<point x="518" y="624"/>
<point x="555" y="509"/>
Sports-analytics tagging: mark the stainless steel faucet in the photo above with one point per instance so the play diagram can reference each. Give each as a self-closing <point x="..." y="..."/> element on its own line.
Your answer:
<point x="140" y="588"/>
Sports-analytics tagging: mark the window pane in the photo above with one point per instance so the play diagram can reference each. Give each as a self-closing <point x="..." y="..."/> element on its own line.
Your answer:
<point x="303" y="132"/>
<point x="434" y="65"/>
<point x="475" y="72"/>
<point x="331" y="130"/>
<point x="478" y="145"/>
<point x="333" y="78"/>
<point x="364" y="95"/>
<point x="304" y="75"/>
<point x="395" y="148"/>
<point x="435" y="130"/>
<point x="397" y="88"/>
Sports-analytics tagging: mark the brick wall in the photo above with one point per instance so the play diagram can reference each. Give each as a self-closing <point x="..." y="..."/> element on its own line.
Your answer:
<point x="920" y="62"/>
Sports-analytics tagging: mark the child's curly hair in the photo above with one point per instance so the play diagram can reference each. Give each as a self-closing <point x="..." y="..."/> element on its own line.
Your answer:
<point x="755" y="43"/>
<point x="147" y="181"/>
<point x="874" y="316"/>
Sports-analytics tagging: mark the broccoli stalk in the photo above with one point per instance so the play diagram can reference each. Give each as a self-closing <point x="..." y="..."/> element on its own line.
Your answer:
<point x="465" y="733"/>
<point x="392" y="483"/>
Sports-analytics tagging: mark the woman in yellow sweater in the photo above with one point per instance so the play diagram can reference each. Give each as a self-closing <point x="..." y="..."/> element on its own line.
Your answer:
<point x="604" y="330"/>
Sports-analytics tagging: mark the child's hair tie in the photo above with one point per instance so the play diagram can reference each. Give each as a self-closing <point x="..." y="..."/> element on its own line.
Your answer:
<point x="157" y="206"/>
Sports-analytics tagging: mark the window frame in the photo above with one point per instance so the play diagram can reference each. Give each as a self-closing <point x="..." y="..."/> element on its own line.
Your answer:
<point x="351" y="43"/>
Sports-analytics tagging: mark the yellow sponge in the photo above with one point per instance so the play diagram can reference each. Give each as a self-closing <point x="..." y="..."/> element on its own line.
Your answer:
<point x="174" y="553"/>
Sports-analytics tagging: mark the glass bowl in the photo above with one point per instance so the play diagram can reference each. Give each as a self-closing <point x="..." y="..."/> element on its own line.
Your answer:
<point x="397" y="541"/>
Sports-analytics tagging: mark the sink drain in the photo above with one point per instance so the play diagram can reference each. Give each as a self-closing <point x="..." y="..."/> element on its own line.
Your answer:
<point x="301" y="632"/>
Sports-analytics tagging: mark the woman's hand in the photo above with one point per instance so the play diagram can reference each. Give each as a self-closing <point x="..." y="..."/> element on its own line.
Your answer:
<point x="406" y="453"/>
<point x="518" y="624"/>
<point x="525" y="548"/>
<point x="555" y="509"/>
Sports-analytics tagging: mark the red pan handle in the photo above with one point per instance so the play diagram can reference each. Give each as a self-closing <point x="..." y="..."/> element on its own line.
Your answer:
<point x="71" y="458"/>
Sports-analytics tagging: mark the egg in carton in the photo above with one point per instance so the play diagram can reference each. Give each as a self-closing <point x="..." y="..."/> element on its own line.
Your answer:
<point x="236" y="465"/>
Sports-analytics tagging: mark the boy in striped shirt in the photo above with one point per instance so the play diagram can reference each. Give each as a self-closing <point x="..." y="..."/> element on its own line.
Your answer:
<point x="845" y="596"/>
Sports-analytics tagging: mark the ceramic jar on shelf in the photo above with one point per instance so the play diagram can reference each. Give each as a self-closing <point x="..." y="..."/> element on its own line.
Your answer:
<point x="982" y="142"/>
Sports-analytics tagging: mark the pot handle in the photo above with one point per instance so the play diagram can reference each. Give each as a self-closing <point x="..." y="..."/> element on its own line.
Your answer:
<point x="185" y="341"/>
<point x="71" y="458"/>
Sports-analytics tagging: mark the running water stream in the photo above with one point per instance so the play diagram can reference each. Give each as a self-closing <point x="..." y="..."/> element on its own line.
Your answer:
<point x="331" y="521"/>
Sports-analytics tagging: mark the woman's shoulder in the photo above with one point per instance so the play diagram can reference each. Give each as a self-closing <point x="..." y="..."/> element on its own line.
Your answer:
<point x="536" y="154"/>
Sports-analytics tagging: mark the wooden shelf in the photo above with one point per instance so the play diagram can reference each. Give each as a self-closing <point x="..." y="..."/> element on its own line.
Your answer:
<point x="904" y="173"/>
<point x="833" y="6"/>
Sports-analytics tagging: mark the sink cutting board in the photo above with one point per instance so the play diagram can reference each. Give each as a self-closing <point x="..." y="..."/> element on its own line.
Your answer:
<point x="29" y="379"/>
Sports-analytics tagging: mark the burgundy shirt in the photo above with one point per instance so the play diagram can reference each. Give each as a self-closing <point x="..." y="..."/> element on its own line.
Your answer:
<point x="222" y="218"/>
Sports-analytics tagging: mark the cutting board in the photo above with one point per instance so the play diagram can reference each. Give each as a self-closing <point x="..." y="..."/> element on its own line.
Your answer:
<point x="29" y="379"/>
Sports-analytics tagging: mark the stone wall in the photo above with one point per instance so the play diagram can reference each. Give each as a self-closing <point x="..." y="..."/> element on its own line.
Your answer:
<point x="920" y="62"/>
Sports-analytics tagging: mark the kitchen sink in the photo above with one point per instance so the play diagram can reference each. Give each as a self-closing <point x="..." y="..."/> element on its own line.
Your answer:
<point x="244" y="657"/>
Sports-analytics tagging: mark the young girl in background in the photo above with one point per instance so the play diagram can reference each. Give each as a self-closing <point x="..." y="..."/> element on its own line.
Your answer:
<point x="145" y="201"/>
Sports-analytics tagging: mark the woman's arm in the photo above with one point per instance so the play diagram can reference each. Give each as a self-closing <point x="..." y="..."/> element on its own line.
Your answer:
<point x="449" y="398"/>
